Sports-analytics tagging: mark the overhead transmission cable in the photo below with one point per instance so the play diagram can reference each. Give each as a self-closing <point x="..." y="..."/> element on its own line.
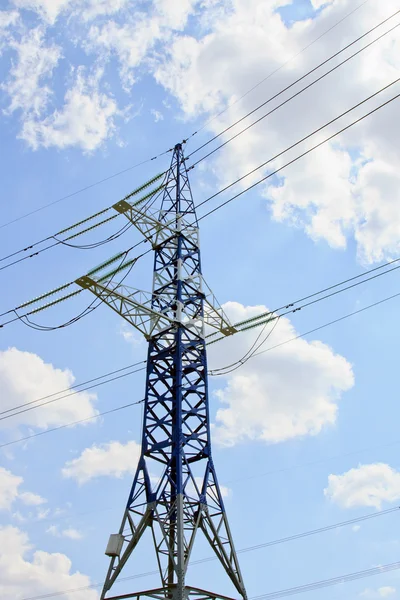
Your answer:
<point x="25" y="408"/>
<point x="73" y="387"/>
<point x="317" y="585"/>
<point x="112" y="176"/>
<point x="295" y="83"/>
<point x="239" y="194"/>
<point x="216" y="372"/>
<point x="90" y="226"/>
<point x="268" y="316"/>
<point x="127" y="226"/>
<point x="84" y="189"/>
<point x="230" y="104"/>
<point x="296" y="159"/>
<point x="304" y="139"/>
<point x="252" y="549"/>
<point x="46" y="431"/>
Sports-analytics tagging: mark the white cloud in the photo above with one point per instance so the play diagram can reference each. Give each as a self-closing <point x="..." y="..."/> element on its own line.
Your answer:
<point x="48" y="10"/>
<point x="132" y="41"/>
<point x="365" y="485"/>
<point x="316" y="4"/>
<point x="35" y="63"/>
<point x="9" y="484"/>
<point x="40" y="379"/>
<point x="356" y="528"/>
<point x="332" y="194"/>
<point x="32" y="499"/>
<point x="42" y="513"/>
<point x="9" y="492"/>
<point x="86" y="120"/>
<point x="92" y="9"/>
<point x="290" y="392"/>
<point x="8" y="20"/>
<point x="382" y="592"/>
<point x="158" y="116"/>
<point x="107" y="460"/>
<point x="24" y="574"/>
<point x="130" y="335"/>
<point x="70" y="532"/>
<point x="86" y="116"/>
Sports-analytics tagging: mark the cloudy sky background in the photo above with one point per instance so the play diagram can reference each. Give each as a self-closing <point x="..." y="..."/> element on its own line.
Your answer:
<point x="305" y="435"/>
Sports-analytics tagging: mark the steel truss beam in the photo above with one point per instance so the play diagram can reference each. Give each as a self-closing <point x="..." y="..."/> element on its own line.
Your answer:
<point x="175" y="492"/>
<point x="159" y="594"/>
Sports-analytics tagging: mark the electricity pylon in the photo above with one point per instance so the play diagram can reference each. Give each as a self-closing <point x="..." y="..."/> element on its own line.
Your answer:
<point x="175" y="492"/>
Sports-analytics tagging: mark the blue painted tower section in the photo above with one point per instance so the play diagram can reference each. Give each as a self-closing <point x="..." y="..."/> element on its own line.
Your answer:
<point x="175" y="492"/>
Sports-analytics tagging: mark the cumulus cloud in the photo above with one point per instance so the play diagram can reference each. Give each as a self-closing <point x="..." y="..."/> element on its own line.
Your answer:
<point x="365" y="485"/>
<point x="24" y="574"/>
<point x="132" y="41"/>
<point x="9" y="484"/>
<point x="40" y="379"/>
<point x="382" y="592"/>
<point x="342" y="191"/>
<point x="8" y="19"/>
<point x="35" y="62"/>
<point x="86" y="119"/>
<point x="9" y="491"/>
<point x="70" y="532"/>
<point x="107" y="460"/>
<point x="86" y="116"/>
<point x="50" y="10"/>
<point x="32" y="499"/>
<point x="290" y="392"/>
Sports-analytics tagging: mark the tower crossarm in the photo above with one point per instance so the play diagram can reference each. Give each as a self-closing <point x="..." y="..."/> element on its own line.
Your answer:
<point x="148" y="224"/>
<point x="134" y="306"/>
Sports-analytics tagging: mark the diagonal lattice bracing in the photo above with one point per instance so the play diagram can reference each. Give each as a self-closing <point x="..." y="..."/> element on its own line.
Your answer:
<point x="175" y="493"/>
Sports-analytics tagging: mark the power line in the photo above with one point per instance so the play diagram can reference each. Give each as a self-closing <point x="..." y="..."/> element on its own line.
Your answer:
<point x="269" y="316"/>
<point x="84" y="189"/>
<point x="107" y="412"/>
<point x="278" y="170"/>
<point x="352" y="314"/>
<point x="294" y="145"/>
<point x="241" y="551"/>
<point x="90" y="387"/>
<point x="211" y="372"/>
<point x="112" y="176"/>
<point x="294" y="160"/>
<point x="73" y="387"/>
<point x="295" y="83"/>
<point x="279" y="68"/>
<point x="150" y="197"/>
<point x="317" y="585"/>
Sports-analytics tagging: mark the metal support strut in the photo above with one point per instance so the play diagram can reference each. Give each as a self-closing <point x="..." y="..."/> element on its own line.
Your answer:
<point x="175" y="492"/>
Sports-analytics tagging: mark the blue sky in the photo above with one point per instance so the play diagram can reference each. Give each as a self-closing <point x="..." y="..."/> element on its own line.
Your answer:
<point x="90" y="88"/>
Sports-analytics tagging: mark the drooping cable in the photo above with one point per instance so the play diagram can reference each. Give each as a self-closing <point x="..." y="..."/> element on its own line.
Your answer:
<point x="295" y="83"/>
<point x="26" y="408"/>
<point x="144" y="202"/>
<point x="229" y="105"/>
<point x="304" y="139"/>
<point x="72" y="387"/>
<point x="108" y="178"/>
<point x="241" y="551"/>
<point x="278" y="170"/>
<point x="84" y="189"/>
<point x="40" y="433"/>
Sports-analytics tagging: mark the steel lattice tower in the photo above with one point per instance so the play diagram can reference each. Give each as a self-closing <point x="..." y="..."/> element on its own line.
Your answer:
<point x="186" y="499"/>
